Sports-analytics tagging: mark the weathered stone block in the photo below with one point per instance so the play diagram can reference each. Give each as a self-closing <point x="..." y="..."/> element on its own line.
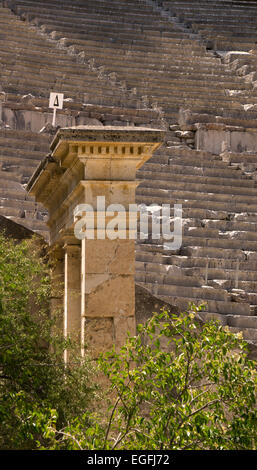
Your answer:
<point x="109" y="295"/>
<point x="121" y="327"/>
<point x="109" y="256"/>
<point x="99" y="335"/>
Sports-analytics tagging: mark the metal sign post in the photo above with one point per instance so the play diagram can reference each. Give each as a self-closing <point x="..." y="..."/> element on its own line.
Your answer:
<point x="55" y="102"/>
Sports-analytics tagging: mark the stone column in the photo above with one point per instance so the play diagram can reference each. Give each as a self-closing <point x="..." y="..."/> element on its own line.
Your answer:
<point x="56" y="258"/>
<point x="87" y="164"/>
<point x="72" y="299"/>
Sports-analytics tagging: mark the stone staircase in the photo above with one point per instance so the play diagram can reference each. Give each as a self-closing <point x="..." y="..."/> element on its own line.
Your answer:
<point x="226" y="27"/>
<point x="143" y="61"/>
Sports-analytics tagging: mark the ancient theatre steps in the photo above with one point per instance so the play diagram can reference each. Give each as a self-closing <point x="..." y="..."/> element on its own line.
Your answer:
<point x="226" y="25"/>
<point x="30" y="63"/>
<point x="20" y="154"/>
<point x="216" y="263"/>
<point x="126" y="38"/>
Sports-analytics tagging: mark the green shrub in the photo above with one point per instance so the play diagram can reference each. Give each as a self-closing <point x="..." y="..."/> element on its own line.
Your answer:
<point x="33" y="375"/>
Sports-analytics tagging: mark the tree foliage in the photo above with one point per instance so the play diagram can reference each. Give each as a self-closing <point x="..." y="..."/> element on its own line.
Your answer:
<point x="33" y="376"/>
<point x="178" y="385"/>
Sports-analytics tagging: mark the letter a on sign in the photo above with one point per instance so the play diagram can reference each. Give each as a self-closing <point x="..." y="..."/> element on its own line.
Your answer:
<point x="56" y="101"/>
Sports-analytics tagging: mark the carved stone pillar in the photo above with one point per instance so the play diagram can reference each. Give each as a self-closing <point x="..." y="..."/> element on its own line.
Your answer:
<point x="97" y="167"/>
<point x="56" y="258"/>
<point x="72" y="300"/>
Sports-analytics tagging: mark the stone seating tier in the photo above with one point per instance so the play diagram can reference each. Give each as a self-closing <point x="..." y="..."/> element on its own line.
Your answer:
<point x="20" y="153"/>
<point x="39" y="67"/>
<point x="218" y="254"/>
<point x="218" y="22"/>
<point x="146" y="44"/>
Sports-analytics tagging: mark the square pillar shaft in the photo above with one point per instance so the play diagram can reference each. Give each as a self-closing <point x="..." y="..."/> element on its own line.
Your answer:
<point x="108" y="292"/>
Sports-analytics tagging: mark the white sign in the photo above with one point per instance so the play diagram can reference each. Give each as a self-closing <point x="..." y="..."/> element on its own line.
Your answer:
<point x="56" y="100"/>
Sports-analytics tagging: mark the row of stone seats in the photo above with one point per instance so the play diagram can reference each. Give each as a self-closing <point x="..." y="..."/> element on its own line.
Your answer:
<point x="77" y="112"/>
<point x="219" y="22"/>
<point x="247" y="161"/>
<point x="225" y="26"/>
<point x="38" y="5"/>
<point x="75" y="9"/>
<point x="216" y="264"/>
<point x="138" y="63"/>
<point x="244" y="64"/>
<point x="30" y="63"/>
<point x="20" y="154"/>
<point x="31" y="67"/>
